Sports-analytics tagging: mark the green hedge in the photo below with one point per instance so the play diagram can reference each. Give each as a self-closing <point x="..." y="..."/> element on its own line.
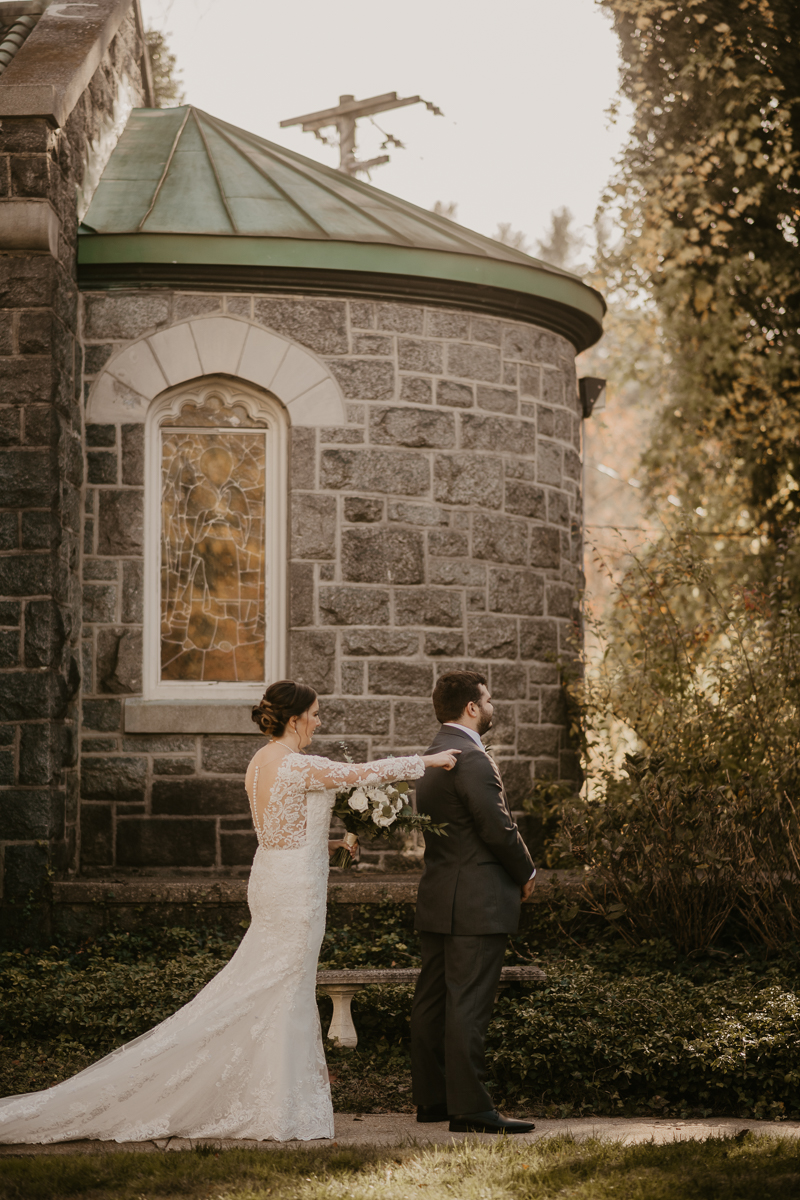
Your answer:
<point x="657" y="1042"/>
<point x="589" y="1042"/>
<point x="108" y="992"/>
<point x="611" y="1032"/>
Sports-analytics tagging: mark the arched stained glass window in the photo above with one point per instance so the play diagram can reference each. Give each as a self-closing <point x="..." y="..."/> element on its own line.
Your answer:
<point x="216" y="532"/>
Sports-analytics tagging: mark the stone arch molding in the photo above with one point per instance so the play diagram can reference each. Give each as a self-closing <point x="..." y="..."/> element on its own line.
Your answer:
<point x="218" y="345"/>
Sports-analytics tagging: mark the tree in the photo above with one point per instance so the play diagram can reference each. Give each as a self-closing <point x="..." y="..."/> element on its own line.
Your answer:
<point x="697" y="673"/>
<point x="562" y="243"/>
<point x="511" y="237"/>
<point x="708" y="195"/>
<point x="167" y="87"/>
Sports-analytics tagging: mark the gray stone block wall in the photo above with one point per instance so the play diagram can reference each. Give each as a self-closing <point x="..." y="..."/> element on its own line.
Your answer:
<point x="439" y="527"/>
<point x="41" y="468"/>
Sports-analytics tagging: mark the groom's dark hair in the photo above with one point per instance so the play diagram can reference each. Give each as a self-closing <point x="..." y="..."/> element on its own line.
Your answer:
<point x="454" y="692"/>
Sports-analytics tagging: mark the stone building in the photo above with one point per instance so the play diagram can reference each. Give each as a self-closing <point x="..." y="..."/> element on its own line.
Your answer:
<point x="258" y="419"/>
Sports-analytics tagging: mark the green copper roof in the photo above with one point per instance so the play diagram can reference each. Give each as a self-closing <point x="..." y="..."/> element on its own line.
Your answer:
<point x="184" y="189"/>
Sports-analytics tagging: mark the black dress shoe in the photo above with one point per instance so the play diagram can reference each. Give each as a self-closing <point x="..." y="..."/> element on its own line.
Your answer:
<point x="488" y="1122"/>
<point x="429" y="1116"/>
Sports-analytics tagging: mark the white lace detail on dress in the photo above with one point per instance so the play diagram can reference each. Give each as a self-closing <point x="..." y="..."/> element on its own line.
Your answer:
<point x="281" y="823"/>
<point x="244" y="1058"/>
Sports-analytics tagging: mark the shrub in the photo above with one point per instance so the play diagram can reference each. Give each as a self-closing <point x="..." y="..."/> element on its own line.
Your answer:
<point x="658" y="1043"/>
<point x="664" y="856"/>
<point x="109" y="991"/>
<point x="612" y="1031"/>
<point x="370" y="935"/>
<point x="100" y="1005"/>
<point x="595" y="1042"/>
<point x="700" y="683"/>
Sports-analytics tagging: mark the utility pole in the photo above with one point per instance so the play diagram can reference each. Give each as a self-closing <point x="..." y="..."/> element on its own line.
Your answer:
<point x="344" y="117"/>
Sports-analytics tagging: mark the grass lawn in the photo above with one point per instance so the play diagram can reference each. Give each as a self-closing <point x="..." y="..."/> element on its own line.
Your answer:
<point x="721" y="1169"/>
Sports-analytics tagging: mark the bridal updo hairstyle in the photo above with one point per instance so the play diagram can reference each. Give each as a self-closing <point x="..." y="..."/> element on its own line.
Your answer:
<point x="280" y="702"/>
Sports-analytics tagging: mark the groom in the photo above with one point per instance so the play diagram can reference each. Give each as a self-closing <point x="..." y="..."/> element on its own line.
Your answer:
<point x="468" y="902"/>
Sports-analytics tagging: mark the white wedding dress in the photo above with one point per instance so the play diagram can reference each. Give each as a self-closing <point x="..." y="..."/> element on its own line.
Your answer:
<point x="244" y="1059"/>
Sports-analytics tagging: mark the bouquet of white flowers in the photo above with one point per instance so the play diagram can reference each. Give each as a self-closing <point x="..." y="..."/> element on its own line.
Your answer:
<point x="376" y="810"/>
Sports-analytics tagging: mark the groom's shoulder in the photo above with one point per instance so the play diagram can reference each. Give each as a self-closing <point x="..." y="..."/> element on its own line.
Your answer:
<point x="449" y="738"/>
<point x="438" y="742"/>
<point x="442" y="740"/>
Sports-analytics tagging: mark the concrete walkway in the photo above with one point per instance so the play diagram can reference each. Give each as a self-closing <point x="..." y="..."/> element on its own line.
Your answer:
<point x="392" y="1129"/>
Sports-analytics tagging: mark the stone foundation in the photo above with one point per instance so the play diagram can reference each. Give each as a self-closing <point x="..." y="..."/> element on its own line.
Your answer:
<point x="90" y="908"/>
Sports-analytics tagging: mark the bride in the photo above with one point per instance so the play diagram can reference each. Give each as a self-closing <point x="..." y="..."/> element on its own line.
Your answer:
<point x="244" y="1058"/>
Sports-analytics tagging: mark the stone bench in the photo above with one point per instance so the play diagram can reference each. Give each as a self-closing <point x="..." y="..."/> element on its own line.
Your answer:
<point x="341" y="986"/>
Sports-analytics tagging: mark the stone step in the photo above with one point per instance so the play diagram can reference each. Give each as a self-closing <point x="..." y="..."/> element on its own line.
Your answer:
<point x="88" y="907"/>
<point x="345" y="888"/>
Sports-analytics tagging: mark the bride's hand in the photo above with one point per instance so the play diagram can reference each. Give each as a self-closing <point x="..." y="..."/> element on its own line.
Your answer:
<point x="446" y="759"/>
<point x="355" y="851"/>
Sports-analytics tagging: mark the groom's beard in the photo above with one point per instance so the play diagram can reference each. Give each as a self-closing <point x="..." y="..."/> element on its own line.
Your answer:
<point x="485" y="723"/>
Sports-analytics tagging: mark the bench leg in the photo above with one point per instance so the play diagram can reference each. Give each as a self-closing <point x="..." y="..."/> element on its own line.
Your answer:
<point x="341" y="1029"/>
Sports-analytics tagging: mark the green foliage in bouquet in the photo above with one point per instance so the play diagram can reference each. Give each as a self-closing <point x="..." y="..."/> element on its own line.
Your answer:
<point x="377" y="810"/>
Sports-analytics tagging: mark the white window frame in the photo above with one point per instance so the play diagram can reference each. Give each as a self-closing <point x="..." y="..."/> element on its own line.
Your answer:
<point x="261" y="407"/>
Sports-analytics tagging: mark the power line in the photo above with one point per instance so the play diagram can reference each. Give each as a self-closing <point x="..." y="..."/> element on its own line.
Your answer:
<point x="715" y="533"/>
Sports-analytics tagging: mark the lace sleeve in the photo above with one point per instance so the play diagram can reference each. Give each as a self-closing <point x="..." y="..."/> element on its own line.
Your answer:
<point x="322" y="773"/>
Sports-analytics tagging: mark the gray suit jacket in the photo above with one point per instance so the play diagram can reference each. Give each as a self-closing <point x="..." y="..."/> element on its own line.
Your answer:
<point x="472" y="877"/>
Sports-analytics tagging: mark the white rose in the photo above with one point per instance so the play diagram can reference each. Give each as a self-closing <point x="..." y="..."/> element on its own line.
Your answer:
<point x="399" y="804"/>
<point x="383" y="816"/>
<point x="358" y="801"/>
<point x="377" y="797"/>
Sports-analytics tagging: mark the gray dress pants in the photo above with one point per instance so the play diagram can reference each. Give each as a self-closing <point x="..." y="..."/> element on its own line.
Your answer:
<point x="449" y="1018"/>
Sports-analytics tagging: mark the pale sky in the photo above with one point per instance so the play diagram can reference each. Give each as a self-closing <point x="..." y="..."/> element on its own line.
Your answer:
<point x="524" y="86"/>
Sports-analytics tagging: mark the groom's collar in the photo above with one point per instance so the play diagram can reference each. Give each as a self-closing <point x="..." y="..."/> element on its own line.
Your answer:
<point x="465" y="729"/>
